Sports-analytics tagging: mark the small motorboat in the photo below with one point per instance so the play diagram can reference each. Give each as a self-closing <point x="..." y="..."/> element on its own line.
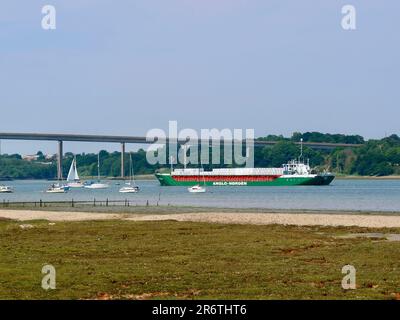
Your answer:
<point x="129" y="189"/>
<point x="57" y="188"/>
<point x="197" y="189"/>
<point x="6" y="189"/>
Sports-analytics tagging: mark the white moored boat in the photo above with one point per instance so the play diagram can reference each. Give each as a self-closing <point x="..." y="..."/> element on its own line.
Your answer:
<point x="73" y="177"/>
<point x="57" y="188"/>
<point x="129" y="189"/>
<point x="6" y="189"/>
<point x="98" y="184"/>
<point x="131" y="185"/>
<point x="197" y="189"/>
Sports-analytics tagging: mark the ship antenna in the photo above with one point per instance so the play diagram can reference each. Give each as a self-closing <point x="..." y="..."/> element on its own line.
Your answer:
<point x="301" y="149"/>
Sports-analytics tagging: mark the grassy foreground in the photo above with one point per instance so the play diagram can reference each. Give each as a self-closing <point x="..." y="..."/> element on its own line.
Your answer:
<point x="184" y="260"/>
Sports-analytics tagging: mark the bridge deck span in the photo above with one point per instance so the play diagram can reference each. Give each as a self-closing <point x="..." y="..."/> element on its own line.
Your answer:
<point x="143" y="140"/>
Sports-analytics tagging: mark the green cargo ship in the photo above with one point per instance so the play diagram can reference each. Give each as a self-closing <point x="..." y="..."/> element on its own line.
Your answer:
<point x="294" y="173"/>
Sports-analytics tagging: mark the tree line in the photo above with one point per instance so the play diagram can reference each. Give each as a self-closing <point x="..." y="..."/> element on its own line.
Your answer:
<point x="376" y="157"/>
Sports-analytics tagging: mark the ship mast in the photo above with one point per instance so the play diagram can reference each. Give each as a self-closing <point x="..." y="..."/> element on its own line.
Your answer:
<point x="301" y="149"/>
<point x="184" y="155"/>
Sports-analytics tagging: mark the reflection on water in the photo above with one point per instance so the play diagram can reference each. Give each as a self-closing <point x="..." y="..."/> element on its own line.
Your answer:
<point x="370" y="195"/>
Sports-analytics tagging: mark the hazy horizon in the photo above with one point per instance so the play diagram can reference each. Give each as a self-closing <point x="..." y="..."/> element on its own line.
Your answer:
<point x="123" y="69"/>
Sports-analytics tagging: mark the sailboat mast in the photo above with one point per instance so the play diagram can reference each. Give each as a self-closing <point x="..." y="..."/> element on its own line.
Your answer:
<point x="131" y="167"/>
<point x="98" y="166"/>
<point x="75" y="169"/>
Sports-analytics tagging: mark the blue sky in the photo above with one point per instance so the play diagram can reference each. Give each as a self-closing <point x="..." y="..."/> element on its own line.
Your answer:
<point x="125" y="67"/>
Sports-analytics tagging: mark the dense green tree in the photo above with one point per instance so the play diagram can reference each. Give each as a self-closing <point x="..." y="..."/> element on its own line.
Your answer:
<point x="328" y="138"/>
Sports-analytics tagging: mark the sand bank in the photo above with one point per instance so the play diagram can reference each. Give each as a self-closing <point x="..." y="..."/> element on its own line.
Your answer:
<point x="299" y="219"/>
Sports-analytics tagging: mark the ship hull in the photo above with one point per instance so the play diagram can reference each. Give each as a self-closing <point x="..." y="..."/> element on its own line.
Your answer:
<point x="166" y="179"/>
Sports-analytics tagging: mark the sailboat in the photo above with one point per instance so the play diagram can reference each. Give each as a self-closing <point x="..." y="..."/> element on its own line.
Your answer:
<point x="73" y="177"/>
<point x="198" y="188"/>
<point x="6" y="189"/>
<point x="131" y="185"/>
<point x="98" y="184"/>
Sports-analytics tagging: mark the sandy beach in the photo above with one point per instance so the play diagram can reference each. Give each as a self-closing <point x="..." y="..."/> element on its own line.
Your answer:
<point x="298" y="219"/>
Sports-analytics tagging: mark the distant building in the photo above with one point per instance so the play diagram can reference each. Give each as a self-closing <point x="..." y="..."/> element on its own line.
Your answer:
<point x="36" y="157"/>
<point x="30" y="157"/>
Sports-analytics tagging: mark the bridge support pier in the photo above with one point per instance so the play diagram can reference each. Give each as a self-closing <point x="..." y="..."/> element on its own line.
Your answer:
<point x="60" y="160"/>
<point x="123" y="160"/>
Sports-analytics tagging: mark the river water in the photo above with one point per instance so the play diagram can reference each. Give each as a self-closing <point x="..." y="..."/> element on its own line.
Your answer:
<point x="365" y="194"/>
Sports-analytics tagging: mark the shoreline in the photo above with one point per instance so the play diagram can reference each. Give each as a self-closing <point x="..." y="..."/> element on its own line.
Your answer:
<point x="339" y="219"/>
<point x="394" y="177"/>
<point x="178" y="209"/>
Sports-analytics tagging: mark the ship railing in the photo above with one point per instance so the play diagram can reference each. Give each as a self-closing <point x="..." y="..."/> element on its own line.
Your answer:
<point x="230" y="171"/>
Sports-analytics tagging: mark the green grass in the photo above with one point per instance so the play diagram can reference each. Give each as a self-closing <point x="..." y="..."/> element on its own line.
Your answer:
<point x="183" y="260"/>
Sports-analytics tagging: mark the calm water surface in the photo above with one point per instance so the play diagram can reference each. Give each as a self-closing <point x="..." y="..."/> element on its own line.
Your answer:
<point x="371" y="195"/>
